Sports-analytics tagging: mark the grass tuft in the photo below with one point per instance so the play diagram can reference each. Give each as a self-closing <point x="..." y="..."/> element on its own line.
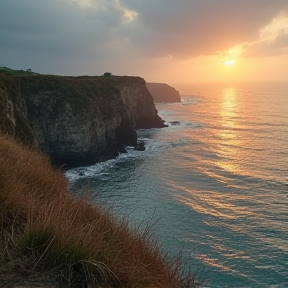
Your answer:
<point x="45" y="231"/>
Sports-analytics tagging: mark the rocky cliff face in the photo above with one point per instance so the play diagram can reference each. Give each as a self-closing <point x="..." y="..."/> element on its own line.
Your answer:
<point x="138" y="100"/>
<point x="76" y="120"/>
<point x="162" y="92"/>
<point x="13" y="113"/>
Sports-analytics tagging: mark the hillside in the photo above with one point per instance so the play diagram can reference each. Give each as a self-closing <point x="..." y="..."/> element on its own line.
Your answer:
<point x="48" y="237"/>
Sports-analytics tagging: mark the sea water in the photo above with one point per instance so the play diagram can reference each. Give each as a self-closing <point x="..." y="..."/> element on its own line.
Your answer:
<point x="214" y="185"/>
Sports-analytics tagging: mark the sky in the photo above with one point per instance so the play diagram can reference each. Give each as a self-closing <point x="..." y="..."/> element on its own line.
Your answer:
<point x="171" y="41"/>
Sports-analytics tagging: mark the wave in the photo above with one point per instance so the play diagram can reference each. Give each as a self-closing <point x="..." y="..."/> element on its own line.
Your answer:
<point x="103" y="169"/>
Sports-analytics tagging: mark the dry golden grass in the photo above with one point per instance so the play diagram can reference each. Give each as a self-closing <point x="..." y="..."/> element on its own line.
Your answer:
<point x="45" y="230"/>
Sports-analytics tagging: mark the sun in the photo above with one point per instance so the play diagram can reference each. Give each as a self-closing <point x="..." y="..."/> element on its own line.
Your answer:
<point x="229" y="62"/>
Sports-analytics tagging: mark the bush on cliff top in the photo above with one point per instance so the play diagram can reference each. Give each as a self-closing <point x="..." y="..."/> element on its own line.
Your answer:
<point x="9" y="71"/>
<point x="44" y="230"/>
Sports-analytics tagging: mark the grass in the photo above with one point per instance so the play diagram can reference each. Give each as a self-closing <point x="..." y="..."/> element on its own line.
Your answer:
<point x="46" y="232"/>
<point x="9" y="71"/>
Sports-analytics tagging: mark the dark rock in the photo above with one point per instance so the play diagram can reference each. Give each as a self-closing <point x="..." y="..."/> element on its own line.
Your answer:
<point x="162" y="92"/>
<point x="175" y="123"/>
<point x="122" y="149"/>
<point x="140" y="147"/>
<point x="77" y="121"/>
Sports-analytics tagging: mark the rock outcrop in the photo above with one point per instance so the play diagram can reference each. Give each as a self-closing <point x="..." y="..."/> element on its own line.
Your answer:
<point x="76" y="120"/>
<point x="162" y="92"/>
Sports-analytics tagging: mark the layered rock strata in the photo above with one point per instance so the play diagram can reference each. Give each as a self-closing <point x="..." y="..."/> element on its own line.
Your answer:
<point x="76" y="120"/>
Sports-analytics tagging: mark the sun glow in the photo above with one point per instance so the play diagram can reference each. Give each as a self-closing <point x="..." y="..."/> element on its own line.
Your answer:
<point x="230" y="56"/>
<point x="229" y="62"/>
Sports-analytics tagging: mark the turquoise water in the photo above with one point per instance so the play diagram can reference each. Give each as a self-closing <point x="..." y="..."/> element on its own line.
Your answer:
<point x="215" y="186"/>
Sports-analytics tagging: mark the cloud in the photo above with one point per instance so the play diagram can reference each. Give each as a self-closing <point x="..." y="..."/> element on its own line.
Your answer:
<point x="60" y="36"/>
<point x="272" y="41"/>
<point x="60" y="22"/>
<point x="189" y="28"/>
<point x="69" y="31"/>
<point x="267" y="48"/>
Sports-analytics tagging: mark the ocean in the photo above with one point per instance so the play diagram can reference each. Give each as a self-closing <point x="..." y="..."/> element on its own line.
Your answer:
<point x="213" y="186"/>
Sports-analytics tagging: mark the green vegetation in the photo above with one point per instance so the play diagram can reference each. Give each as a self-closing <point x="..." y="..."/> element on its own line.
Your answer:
<point x="46" y="233"/>
<point x="9" y="71"/>
<point x="107" y="74"/>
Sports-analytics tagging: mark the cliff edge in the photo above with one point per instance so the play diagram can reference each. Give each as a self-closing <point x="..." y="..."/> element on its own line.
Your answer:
<point x="76" y="120"/>
<point x="162" y="92"/>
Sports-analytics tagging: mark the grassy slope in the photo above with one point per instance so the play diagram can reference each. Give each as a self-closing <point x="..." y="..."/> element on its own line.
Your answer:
<point x="44" y="231"/>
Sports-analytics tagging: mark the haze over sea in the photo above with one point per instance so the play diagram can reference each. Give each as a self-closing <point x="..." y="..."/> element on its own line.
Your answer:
<point x="215" y="185"/>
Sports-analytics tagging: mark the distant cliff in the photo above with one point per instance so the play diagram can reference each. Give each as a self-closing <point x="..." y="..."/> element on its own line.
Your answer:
<point x="162" y="92"/>
<point x="76" y="120"/>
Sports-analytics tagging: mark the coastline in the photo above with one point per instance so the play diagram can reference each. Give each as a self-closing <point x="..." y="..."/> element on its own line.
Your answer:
<point x="76" y="121"/>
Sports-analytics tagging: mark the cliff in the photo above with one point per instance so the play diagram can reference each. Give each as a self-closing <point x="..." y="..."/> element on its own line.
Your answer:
<point x="138" y="100"/>
<point x="76" y="120"/>
<point x="162" y="92"/>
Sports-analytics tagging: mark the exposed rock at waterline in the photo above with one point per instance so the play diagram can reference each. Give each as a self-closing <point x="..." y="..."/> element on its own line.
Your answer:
<point x="140" y="147"/>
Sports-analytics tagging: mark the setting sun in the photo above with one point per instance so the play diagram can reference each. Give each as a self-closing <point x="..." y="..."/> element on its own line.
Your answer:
<point x="229" y="62"/>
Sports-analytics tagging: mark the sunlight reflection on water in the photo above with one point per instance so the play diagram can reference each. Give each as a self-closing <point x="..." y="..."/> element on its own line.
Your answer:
<point x="218" y="182"/>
